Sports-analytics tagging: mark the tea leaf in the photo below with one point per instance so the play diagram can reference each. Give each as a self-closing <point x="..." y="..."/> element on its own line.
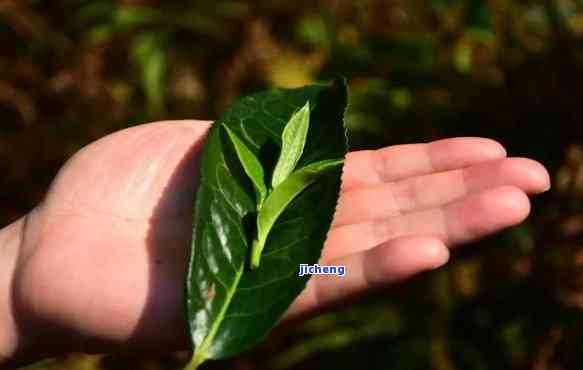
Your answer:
<point x="229" y="307"/>
<point x="251" y="165"/>
<point x="293" y="142"/>
<point x="281" y="197"/>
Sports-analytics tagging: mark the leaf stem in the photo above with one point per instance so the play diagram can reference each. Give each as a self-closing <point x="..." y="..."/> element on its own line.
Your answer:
<point x="200" y="354"/>
<point x="194" y="363"/>
<point x="256" y="253"/>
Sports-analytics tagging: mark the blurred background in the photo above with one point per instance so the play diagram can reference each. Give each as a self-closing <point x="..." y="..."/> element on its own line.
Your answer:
<point x="72" y="71"/>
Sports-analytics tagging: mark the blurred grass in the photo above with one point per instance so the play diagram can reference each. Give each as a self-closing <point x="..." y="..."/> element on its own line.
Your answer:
<point x="73" y="71"/>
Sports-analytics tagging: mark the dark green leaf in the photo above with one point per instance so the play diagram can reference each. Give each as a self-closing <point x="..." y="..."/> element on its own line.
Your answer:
<point x="230" y="308"/>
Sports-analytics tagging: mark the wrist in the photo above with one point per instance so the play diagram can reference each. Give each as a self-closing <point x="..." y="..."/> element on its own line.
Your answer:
<point x="10" y="244"/>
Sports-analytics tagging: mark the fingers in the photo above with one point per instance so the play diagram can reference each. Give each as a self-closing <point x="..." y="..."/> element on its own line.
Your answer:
<point x="373" y="167"/>
<point x="437" y="189"/>
<point x="467" y="219"/>
<point x="388" y="263"/>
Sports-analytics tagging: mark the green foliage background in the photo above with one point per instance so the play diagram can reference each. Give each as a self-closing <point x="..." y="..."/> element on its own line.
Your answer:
<point x="73" y="71"/>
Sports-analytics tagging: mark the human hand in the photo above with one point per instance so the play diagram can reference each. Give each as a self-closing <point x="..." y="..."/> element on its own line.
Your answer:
<point x="103" y="258"/>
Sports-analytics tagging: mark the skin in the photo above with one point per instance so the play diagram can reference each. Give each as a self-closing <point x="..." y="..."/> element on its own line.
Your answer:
<point x="99" y="265"/>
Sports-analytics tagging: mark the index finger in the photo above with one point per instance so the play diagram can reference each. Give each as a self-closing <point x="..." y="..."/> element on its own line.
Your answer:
<point x="373" y="167"/>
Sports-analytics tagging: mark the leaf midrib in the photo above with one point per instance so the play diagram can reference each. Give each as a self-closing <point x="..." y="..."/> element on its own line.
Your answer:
<point x="200" y="354"/>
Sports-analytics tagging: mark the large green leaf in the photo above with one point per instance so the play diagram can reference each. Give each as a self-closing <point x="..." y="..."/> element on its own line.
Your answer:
<point x="230" y="307"/>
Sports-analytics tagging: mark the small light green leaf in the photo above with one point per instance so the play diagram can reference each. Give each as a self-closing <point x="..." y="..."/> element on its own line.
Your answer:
<point x="281" y="197"/>
<point x="293" y="141"/>
<point x="251" y="165"/>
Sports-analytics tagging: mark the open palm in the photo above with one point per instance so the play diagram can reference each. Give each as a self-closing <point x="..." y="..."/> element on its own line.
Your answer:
<point x="104" y="256"/>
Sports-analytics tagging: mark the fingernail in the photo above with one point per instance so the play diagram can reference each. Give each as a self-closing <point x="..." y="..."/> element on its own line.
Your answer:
<point x="440" y="255"/>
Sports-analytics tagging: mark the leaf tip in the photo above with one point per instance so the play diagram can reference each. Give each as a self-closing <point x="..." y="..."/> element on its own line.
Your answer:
<point x="293" y="142"/>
